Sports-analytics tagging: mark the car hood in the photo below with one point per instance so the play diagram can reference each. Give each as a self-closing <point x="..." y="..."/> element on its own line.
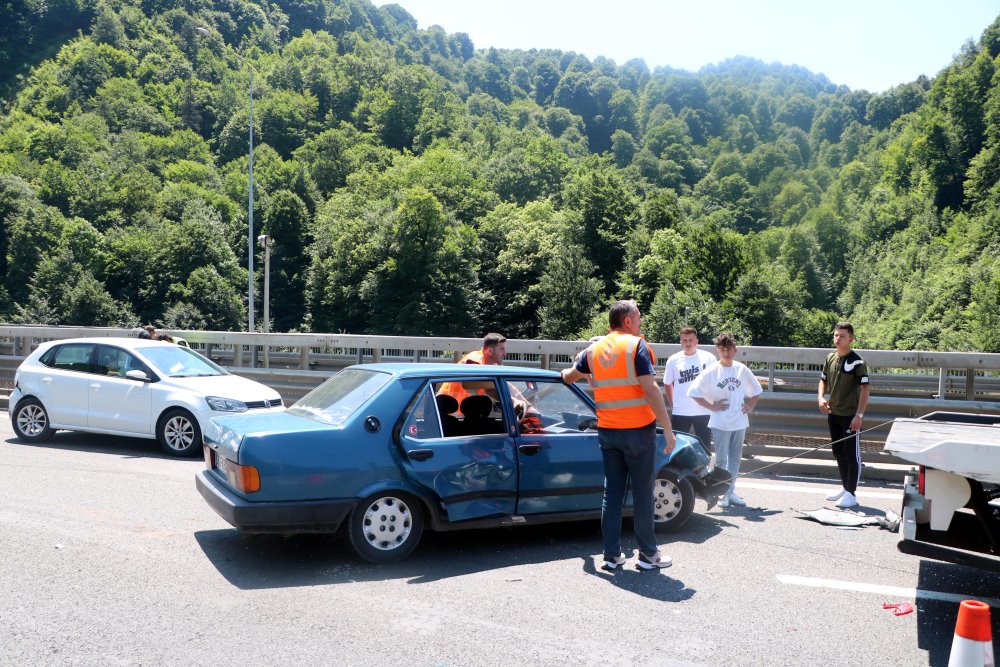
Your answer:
<point x="226" y="386"/>
<point x="228" y="432"/>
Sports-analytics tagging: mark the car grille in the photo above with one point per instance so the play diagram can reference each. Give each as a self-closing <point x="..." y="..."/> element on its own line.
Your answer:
<point x="256" y="405"/>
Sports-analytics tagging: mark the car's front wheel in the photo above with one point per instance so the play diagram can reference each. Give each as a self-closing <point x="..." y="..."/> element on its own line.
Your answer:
<point x="31" y="421"/>
<point x="386" y="527"/>
<point x="178" y="433"/>
<point x="673" y="501"/>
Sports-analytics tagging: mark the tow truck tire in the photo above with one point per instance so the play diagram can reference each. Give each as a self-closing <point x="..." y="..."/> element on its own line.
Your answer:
<point x="673" y="501"/>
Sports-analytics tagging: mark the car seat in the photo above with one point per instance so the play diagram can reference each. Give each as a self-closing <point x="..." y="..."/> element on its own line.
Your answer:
<point x="477" y="409"/>
<point x="447" y="405"/>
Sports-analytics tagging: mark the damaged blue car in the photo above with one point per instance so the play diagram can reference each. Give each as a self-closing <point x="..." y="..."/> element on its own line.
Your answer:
<point x="386" y="451"/>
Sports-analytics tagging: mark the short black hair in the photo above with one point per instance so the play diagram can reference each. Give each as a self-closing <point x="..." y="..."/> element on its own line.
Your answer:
<point x="845" y="326"/>
<point x="494" y="339"/>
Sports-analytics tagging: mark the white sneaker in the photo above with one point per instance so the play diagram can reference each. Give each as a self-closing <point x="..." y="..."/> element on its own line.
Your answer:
<point x="657" y="561"/>
<point x="724" y="502"/>
<point x="836" y="496"/>
<point x="848" y="500"/>
<point x="736" y="500"/>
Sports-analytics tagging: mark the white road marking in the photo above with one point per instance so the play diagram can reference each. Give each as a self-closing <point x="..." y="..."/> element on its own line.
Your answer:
<point x="817" y="490"/>
<point x="889" y="591"/>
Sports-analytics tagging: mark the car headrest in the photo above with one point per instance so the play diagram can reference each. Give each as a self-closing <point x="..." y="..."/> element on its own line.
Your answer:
<point x="477" y="406"/>
<point x="447" y="403"/>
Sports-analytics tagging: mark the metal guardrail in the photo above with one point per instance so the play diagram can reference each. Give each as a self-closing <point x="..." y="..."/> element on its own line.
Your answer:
<point x="904" y="383"/>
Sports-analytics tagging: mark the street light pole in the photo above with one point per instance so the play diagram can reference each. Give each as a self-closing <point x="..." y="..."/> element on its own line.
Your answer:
<point x="250" y="307"/>
<point x="265" y="240"/>
<point x="250" y="236"/>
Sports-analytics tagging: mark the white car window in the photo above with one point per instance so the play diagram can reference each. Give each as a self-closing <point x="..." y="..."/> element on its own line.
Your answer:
<point x="73" y="357"/>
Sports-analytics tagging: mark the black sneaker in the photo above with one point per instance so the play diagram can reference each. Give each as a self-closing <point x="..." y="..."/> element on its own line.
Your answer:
<point x="612" y="564"/>
<point x="654" y="562"/>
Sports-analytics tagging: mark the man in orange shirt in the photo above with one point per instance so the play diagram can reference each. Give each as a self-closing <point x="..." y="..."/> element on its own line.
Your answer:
<point x="629" y="407"/>
<point x="492" y="354"/>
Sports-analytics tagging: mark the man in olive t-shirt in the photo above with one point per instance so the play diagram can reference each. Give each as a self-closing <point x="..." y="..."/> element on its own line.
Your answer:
<point x="845" y="377"/>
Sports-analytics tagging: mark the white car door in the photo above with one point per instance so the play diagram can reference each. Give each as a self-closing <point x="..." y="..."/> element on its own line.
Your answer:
<point x="118" y="403"/>
<point x="62" y="384"/>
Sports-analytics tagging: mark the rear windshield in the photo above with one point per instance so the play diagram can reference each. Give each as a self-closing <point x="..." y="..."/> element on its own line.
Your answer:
<point x="339" y="397"/>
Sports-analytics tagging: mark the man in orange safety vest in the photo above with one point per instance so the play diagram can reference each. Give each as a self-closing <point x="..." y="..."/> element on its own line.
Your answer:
<point x="629" y="407"/>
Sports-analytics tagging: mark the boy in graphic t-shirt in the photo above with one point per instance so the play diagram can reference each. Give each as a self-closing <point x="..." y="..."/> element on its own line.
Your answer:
<point x="730" y="391"/>
<point x="680" y="371"/>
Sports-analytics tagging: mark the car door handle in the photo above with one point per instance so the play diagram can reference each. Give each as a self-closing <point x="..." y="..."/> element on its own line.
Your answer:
<point x="529" y="450"/>
<point x="96" y="386"/>
<point x="47" y="380"/>
<point x="419" y="454"/>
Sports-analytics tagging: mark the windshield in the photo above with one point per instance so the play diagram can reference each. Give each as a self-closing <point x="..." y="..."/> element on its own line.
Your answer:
<point x="339" y="397"/>
<point x="179" y="362"/>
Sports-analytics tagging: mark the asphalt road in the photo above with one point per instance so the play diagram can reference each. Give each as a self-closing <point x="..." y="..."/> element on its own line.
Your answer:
<point x="110" y="557"/>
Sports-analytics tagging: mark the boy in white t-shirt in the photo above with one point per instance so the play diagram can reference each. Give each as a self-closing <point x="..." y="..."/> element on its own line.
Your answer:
<point x="681" y="370"/>
<point x="730" y="391"/>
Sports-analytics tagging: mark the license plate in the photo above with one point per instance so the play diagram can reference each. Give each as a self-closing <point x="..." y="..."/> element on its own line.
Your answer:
<point x="220" y="465"/>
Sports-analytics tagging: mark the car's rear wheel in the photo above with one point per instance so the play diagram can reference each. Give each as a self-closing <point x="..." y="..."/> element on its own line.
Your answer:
<point x="178" y="433"/>
<point x="386" y="527"/>
<point x="31" y="421"/>
<point x="673" y="501"/>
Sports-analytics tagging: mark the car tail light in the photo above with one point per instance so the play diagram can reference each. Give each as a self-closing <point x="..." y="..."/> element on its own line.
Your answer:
<point x="920" y="480"/>
<point x="244" y="478"/>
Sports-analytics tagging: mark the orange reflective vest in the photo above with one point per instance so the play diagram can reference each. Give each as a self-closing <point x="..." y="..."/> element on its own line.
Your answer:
<point x="455" y="388"/>
<point x="621" y="402"/>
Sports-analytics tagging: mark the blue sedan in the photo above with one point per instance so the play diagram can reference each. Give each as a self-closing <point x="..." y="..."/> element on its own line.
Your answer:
<point x="387" y="450"/>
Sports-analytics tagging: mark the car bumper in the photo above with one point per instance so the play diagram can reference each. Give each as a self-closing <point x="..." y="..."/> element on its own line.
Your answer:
<point x="306" y="516"/>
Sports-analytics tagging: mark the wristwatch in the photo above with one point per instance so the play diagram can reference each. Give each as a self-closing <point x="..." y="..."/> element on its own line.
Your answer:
<point x="860" y="415"/>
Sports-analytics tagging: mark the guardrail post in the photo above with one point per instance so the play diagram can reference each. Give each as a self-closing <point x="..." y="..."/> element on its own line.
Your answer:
<point x="770" y="376"/>
<point x="267" y="355"/>
<point x="970" y="384"/>
<point x="237" y="355"/>
<point x="304" y="357"/>
<point x="942" y="374"/>
<point x="545" y="362"/>
<point x="361" y="356"/>
<point x="377" y="355"/>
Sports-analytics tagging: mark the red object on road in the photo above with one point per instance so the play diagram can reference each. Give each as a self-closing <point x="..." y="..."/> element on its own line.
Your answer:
<point x="899" y="608"/>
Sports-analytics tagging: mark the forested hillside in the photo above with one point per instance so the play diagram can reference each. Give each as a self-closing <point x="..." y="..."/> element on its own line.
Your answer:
<point x="416" y="185"/>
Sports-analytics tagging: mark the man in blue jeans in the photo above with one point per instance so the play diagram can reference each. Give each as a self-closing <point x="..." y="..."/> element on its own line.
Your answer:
<point x="629" y="406"/>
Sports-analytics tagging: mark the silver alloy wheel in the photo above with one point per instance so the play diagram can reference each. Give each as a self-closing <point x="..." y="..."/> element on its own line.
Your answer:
<point x="387" y="523"/>
<point x="667" y="500"/>
<point x="178" y="433"/>
<point x="31" y="420"/>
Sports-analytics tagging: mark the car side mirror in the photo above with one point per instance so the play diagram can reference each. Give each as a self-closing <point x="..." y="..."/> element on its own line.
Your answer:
<point x="137" y="375"/>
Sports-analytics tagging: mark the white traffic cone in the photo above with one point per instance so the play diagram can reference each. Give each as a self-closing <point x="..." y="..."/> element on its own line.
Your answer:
<point x="973" y="643"/>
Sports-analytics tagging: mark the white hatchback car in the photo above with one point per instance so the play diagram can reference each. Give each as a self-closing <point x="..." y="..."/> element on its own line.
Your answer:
<point x="128" y="386"/>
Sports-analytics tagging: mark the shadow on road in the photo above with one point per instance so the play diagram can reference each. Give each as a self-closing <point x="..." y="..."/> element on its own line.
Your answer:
<point x="97" y="443"/>
<point x="656" y="585"/>
<point x="275" y="561"/>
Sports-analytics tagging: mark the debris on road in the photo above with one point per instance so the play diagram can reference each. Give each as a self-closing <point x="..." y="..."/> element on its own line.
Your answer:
<point x="899" y="608"/>
<point x="851" y="519"/>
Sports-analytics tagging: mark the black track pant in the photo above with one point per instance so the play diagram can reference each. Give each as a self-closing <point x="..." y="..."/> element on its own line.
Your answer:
<point x="695" y="425"/>
<point x="847" y="451"/>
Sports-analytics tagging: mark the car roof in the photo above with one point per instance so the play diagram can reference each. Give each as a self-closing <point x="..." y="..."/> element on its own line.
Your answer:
<point x="129" y="343"/>
<point x="420" y="370"/>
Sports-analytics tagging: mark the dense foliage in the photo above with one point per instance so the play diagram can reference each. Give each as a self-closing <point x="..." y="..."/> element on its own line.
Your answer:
<point x="416" y="185"/>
